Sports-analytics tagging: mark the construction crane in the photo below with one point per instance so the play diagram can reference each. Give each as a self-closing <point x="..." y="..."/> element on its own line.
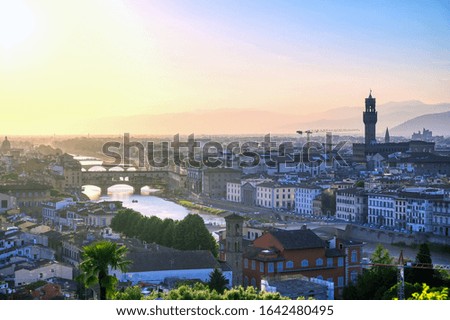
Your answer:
<point x="309" y="132"/>
<point x="401" y="271"/>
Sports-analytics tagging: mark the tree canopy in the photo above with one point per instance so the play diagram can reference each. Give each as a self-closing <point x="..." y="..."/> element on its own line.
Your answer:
<point x="380" y="281"/>
<point x="201" y="291"/>
<point x="187" y="234"/>
<point x="426" y="294"/>
<point x="375" y="281"/>
<point x="217" y="281"/>
<point x="97" y="258"/>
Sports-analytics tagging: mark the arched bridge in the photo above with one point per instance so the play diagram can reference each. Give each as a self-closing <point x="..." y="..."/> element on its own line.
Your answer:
<point x="136" y="179"/>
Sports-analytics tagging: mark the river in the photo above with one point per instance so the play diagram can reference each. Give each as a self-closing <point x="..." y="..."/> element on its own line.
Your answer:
<point x="148" y="204"/>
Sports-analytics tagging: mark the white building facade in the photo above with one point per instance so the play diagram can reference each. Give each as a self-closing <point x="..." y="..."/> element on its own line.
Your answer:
<point x="276" y="196"/>
<point x="304" y="196"/>
<point x="351" y="205"/>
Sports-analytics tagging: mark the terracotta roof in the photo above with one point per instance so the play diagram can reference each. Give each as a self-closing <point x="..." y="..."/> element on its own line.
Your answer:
<point x="298" y="239"/>
<point x="334" y="253"/>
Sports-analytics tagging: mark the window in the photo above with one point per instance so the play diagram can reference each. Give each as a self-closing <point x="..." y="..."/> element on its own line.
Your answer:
<point x="319" y="262"/>
<point x="4" y="204"/>
<point x="280" y="266"/>
<point x="245" y="263"/>
<point x="340" y="281"/>
<point x="354" y="256"/>
<point x="340" y="262"/>
<point x="353" y="276"/>
<point x="289" y="265"/>
<point x="253" y="265"/>
<point x="270" y="267"/>
<point x="305" y="263"/>
<point x="329" y="262"/>
<point x="261" y="267"/>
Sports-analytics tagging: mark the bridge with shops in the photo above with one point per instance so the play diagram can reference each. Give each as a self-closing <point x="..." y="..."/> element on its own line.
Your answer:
<point x="136" y="179"/>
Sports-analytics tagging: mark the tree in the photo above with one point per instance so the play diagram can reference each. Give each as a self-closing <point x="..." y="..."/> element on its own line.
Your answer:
<point x="97" y="258"/>
<point x="191" y="234"/>
<point x="187" y="234"/>
<point x="201" y="292"/>
<point x="381" y="256"/>
<point x="329" y="202"/>
<point x="409" y="289"/>
<point x="217" y="281"/>
<point x="359" y="184"/>
<point x="430" y="295"/>
<point x="130" y="293"/>
<point x="168" y="233"/>
<point x="424" y="272"/>
<point x="424" y="257"/>
<point x="376" y="281"/>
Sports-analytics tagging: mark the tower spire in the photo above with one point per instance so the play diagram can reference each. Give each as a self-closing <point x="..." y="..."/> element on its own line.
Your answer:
<point x="370" y="120"/>
<point x="387" y="137"/>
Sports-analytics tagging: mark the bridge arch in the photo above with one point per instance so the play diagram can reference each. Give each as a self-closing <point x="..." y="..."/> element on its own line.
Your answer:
<point x="91" y="191"/>
<point x="97" y="169"/>
<point x="136" y="179"/>
<point x="116" y="169"/>
<point x="149" y="189"/>
<point x="121" y="188"/>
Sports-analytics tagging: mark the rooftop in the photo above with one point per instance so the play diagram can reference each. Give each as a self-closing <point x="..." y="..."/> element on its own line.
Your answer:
<point x="298" y="239"/>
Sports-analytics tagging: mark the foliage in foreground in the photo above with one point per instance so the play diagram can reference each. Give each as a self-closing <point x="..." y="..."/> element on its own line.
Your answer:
<point x="199" y="291"/>
<point x="381" y="283"/>
<point x="217" y="281"/>
<point x="97" y="258"/>
<point x="426" y="294"/>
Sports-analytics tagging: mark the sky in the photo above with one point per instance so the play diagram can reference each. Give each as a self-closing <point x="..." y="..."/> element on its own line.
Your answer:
<point x="63" y="62"/>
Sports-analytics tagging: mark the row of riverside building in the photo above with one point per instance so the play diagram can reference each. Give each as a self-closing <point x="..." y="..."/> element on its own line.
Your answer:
<point x="404" y="209"/>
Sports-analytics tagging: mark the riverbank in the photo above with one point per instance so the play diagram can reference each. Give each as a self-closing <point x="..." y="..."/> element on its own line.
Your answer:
<point x="199" y="207"/>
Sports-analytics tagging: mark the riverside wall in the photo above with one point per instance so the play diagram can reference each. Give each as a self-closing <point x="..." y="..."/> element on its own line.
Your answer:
<point x="387" y="236"/>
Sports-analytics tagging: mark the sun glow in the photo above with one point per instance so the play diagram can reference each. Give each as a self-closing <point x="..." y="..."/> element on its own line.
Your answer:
<point x="17" y="23"/>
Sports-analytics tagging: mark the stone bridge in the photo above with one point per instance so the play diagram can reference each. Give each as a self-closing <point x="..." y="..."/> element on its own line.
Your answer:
<point x="135" y="179"/>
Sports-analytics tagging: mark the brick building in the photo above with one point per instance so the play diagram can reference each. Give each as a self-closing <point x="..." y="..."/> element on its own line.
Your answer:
<point x="294" y="252"/>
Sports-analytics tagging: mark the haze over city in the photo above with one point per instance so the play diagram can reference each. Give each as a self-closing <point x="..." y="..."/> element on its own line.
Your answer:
<point x="224" y="150"/>
<point x="80" y="67"/>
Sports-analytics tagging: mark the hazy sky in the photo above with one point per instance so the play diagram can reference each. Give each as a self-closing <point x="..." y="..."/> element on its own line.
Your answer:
<point x="61" y="61"/>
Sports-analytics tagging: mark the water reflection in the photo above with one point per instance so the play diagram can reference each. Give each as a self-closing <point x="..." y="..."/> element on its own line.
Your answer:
<point x="146" y="203"/>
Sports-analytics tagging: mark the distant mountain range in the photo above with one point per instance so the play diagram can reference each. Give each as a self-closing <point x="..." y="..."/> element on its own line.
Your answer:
<point x="439" y="123"/>
<point x="395" y="115"/>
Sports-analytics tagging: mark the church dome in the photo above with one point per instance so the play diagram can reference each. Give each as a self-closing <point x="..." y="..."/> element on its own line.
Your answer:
<point x="6" y="145"/>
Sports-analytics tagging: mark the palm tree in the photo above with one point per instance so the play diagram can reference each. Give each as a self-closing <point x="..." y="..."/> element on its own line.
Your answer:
<point x="97" y="258"/>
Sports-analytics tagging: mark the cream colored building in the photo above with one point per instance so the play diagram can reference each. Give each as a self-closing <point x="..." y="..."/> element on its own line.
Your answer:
<point x="276" y="196"/>
<point x="42" y="271"/>
<point x="7" y="202"/>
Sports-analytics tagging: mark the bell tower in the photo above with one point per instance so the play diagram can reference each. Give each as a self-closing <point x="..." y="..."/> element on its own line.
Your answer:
<point x="233" y="247"/>
<point x="370" y="120"/>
